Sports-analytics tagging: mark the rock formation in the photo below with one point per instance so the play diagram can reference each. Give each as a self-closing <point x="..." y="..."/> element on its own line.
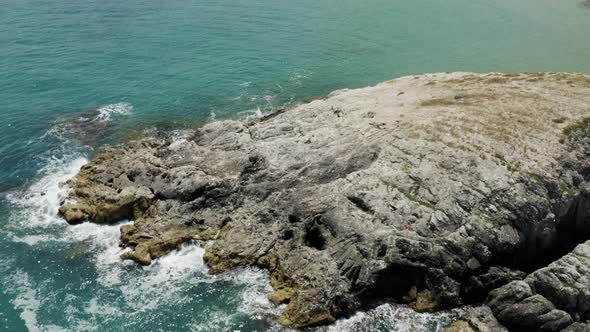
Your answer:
<point x="433" y="190"/>
<point x="478" y="319"/>
<point x="549" y="299"/>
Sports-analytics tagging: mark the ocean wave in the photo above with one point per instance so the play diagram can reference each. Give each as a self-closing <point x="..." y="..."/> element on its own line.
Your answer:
<point x="168" y="275"/>
<point x="252" y="113"/>
<point x="395" y="318"/>
<point x="27" y="301"/>
<point x="89" y="127"/>
<point x="297" y="76"/>
<point x="36" y="219"/>
<point x="38" y="205"/>
<point x="105" y="113"/>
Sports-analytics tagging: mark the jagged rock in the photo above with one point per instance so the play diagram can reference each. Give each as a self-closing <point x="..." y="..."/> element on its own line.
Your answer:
<point x="477" y="319"/>
<point x="566" y="282"/>
<point x="577" y="327"/>
<point x="478" y="286"/>
<point x="459" y="326"/>
<point x="435" y="195"/>
<point x="555" y="296"/>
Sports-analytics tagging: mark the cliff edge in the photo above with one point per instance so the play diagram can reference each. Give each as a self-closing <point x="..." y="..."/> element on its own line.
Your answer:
<point x="432" y="190"/>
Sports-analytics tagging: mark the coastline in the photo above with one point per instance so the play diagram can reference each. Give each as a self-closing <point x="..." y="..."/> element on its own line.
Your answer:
<point x="333" y="198"/>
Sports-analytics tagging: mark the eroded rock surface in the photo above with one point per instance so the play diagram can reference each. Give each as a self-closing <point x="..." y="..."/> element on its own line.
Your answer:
<point x="549" y="299"/>
<point x="432" y="190"/>
<point x="477" y="319"/>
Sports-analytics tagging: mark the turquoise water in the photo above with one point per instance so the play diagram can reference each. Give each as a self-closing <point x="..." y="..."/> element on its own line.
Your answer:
<point x="75" y="75"/>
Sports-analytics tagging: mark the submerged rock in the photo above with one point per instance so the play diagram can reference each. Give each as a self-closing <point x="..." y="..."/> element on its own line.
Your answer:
<point x="432" y="190"/>
<point x="91" y="127"/>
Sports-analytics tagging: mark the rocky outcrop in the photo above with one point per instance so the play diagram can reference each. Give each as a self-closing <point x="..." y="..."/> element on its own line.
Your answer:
<point x="432" y="190"/>
<point x="477" y="319"/>
<point x="549" y="299"/>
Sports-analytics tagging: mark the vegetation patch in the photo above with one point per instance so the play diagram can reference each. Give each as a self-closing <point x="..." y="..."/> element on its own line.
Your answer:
<point x="581" y="124"/>
<point x="535" y="178"/>
<point x="500" y="157"/>
<point x="462" y="99"/>
<point x="496" y="80"/>
<point x="511" y="75"/>
<point x="572" y="78"/>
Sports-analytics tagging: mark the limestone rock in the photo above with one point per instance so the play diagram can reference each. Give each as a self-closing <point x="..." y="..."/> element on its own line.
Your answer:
<point x="476" y="319"/>
<point x="549" y="299"/>
<point x="445" y="191"/>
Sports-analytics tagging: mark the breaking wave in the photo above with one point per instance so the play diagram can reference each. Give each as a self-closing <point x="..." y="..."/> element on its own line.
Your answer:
<point x="89" y="127"/>
<point x="105" y="113"/>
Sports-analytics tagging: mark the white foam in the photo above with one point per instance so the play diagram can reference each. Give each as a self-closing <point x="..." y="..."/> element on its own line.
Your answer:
<point x="217" y="321"/>
<point x="27" y="301"/>
<point x="256" y="287"/>
<point x="186" y="259"/>
<point x="72" y="315"/>
<point x="395" y="318"/>
<point x="176" y="144"/>
<point x="105" y="112"/>
<point x="168" y="275"/>
<point x="180" y="135"/>
<point x="39" y="204"/>
<point x="35" y="239"/>
<point x="89" y="121"/>
<point x="38" y="212"/>
<point x="104" y="240"/>
<point x="251" y="114"/>
<point x="95" y="308"/>
<point x="298" y="75"/>
<point x="174" y="273"/>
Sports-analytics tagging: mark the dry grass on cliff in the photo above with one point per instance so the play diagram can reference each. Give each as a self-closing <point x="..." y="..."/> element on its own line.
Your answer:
<point x="461" y="99"/>
<point x="503" y="78"/>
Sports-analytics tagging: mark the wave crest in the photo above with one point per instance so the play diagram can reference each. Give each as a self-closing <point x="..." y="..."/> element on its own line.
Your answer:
<point x="105" y="113"/>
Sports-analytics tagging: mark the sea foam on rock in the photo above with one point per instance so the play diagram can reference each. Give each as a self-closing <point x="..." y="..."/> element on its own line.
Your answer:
<point x="432" y="190"/>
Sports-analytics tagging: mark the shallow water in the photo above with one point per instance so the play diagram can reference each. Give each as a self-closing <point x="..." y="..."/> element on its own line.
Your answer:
<point x="76" y="75"/>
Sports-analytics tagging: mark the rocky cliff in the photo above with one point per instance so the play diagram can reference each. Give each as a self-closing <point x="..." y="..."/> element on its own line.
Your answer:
<point x="433" y="190"/>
